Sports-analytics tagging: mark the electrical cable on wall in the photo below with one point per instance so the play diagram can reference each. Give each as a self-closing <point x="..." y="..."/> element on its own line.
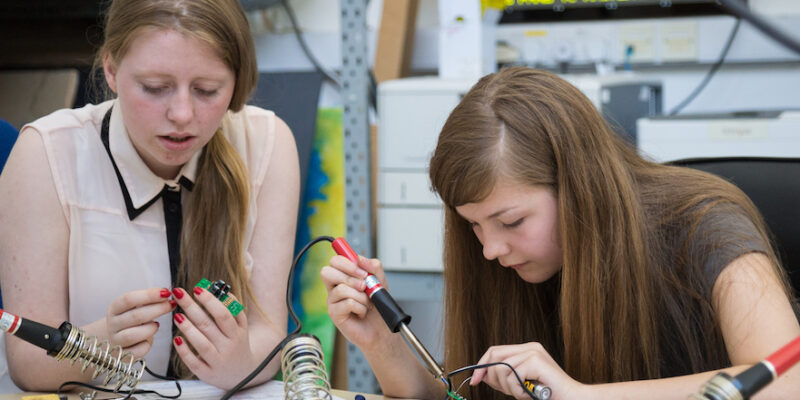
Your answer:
<point x="741" y="11"/>
<point x="372" y="95"/>
<point x="300" y="39"/>
<point x="331" y="76"/>
<point x="711" y="71"/>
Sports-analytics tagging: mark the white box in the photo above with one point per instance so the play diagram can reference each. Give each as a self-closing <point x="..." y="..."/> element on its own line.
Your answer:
<point x="406" y="189"/>
<point x="412" y="112"/>
<point x="760" y="134"/>
<point x="410" y="239"/>
<point x="467" y="48"/>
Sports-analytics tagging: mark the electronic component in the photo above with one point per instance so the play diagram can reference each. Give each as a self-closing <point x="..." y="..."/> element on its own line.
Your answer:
<point x="540" y="391"/>
<point x="220" y="290"/>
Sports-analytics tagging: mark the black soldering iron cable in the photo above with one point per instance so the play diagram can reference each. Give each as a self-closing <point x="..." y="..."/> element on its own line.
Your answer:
<point x="292" y="314"/>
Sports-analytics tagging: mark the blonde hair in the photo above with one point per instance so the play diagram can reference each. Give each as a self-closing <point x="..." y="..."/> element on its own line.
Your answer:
<point x="619" y="303"/>
<point x="212" y="243"/>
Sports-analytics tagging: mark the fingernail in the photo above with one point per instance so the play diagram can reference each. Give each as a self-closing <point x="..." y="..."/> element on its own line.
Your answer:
<point x="197" y="290"/>
<point x="363" y="273"/>
<point x="177" y="292"/>
<point x="165" y="293"/>
<point x="173" y="303"/>
<point x="178" y="340"/>
<point x="179" y="318"/>
<point x="157" y="325"/>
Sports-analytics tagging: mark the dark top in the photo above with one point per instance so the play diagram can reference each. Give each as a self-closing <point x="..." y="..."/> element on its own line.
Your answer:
<point x="722" y="235"/>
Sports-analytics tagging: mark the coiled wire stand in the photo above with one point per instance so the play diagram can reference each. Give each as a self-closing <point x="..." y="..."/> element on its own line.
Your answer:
<point x="303" y="367"/>
<point x="120" y="367"/>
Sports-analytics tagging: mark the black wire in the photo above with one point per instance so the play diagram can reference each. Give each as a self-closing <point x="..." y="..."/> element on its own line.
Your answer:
<point x="372" y="85"/>
<point x="296" y="261"/>
<point x="128" y="393"/>
<point x="710" y="72"/>
<point x="166" y="378"/>
<point x="741" y="11"/>
<point x="292" y="314"/>
<point x="473" y="367"/>
<point x="296" y="28"/>
<point x="245" y="381"/>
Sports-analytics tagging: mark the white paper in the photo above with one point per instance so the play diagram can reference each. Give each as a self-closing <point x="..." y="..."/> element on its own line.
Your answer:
<point x="198" y="390"/>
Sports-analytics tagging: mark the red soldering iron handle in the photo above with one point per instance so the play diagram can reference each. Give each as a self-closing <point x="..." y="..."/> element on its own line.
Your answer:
<point x="786" y="357"/>
<point x="391" y="312"/>
<point x="750" y="381"/>
<point x="341" y="248"/>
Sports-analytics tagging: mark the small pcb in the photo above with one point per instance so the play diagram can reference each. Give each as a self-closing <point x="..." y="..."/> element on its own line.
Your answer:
<point x="220" y="290"/>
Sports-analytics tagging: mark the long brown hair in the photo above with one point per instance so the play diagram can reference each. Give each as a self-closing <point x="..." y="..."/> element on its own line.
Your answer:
<point x="212" y="243"/>
<point x="620" y="304"/>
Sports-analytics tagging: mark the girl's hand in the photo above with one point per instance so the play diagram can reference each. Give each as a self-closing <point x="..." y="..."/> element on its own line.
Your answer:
<point x="348" y="305"/>
<point x="222" y="355"/>
<point x="532" y="362"/>
<point x="130" y="319"/>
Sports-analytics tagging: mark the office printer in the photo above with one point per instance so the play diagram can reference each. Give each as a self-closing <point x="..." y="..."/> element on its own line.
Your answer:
<point x="748" y="134"/>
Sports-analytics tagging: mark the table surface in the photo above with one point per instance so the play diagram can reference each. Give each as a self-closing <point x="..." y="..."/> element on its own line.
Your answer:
<point x="340" y="393"/>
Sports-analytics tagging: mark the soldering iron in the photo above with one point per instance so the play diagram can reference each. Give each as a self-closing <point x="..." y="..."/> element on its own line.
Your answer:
<point x="398" y="321"/>
<point x="747" y="383"/>
<point x="392" y="314"/>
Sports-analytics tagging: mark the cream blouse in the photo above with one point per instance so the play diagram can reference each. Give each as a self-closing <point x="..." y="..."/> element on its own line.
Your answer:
<point x="111" y="253"/>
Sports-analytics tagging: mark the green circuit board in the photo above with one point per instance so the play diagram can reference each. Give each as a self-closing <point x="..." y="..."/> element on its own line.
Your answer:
<point x="233" y="306"/>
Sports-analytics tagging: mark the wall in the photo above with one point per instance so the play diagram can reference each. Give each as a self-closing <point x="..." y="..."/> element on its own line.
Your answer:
<point x="760" y="73"/>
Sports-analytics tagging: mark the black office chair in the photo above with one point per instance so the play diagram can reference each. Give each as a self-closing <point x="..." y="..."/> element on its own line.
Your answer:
<point x="774" y="186"/>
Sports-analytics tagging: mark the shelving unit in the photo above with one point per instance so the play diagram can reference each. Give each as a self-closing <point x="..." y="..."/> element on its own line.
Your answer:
<point x="355" y="113"/>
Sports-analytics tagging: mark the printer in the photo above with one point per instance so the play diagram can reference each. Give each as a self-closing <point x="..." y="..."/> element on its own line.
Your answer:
<point x="739" y="134"/>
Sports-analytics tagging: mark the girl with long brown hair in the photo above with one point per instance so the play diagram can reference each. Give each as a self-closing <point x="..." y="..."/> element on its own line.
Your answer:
<point x="111" y="213"/>
<point x="578" y="262"/>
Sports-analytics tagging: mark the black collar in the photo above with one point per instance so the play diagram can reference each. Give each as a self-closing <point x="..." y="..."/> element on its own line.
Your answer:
<point x="132" y="211"/>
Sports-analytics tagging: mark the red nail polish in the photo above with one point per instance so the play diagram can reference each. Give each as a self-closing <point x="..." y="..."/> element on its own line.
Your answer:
<point x="179" y="318"/>
<point x="197" y="291"/>
<point x="157" y="325"/>
<point x="164" y="293"/>
<point x="178" y="340"/>
<point x="173" y="303"/>
<point x="177" y="292"/>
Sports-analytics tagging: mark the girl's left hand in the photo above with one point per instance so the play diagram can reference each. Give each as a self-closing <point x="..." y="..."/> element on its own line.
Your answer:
<point x="222" y="355"/>
<point x="532" y="362"/>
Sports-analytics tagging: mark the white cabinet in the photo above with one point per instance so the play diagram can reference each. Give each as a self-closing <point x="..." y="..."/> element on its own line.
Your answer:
<point x="410" y="222"/>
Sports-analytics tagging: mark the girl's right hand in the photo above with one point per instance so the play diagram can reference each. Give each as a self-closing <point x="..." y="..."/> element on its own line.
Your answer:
<point x="130" y="319"/>
<point x="348" y="305"/>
